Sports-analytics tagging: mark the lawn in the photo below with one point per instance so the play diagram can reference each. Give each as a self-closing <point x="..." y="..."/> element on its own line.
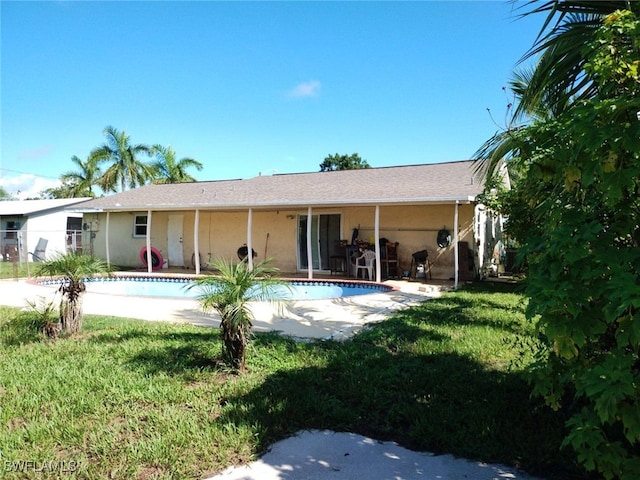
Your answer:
<point x="13" y="270"/>
<point x="134" y="399"/>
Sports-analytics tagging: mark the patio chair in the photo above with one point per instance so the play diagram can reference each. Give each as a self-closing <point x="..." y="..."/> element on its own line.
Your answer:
<point x="365" y="262"/>
<point x="390" y="261"/>
<point x="338" y="260"/>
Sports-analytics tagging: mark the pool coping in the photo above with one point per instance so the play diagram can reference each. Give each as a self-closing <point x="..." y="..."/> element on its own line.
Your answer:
<point x="375" y="287"/>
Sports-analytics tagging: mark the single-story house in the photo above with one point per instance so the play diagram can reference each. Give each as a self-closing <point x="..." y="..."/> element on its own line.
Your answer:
<point x="298" y="220"/>
<point x="32" y="229"/>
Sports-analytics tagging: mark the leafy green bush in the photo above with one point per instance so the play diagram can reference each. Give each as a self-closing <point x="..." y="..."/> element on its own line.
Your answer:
<point x="582" y="242"/>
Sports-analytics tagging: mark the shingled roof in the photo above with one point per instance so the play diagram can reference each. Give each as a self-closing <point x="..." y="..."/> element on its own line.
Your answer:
<point x="411" y="184"/>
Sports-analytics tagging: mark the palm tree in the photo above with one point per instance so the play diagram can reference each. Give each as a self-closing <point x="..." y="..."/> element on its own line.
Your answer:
<point x="73" y="268"/>
<point x="564" y="45"/>
<point x="509" y="144"/>
<point x="125" y="170"/>
<point x="558" y="79"/>
<point x="166" y="169"/>
<point x="80" y="183"/>
<point x="229" y="292"/>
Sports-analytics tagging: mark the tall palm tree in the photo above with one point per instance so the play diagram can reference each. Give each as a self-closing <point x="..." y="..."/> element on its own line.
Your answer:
<point x="73" y="268"/>
<point x="80" y="183"/>
<point x="125" y="169"/>
<point x="229" y="292"/>
<point x="167" y="169"/>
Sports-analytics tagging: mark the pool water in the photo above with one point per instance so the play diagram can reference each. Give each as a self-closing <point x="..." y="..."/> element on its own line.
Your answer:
<point x="179" y="288"/>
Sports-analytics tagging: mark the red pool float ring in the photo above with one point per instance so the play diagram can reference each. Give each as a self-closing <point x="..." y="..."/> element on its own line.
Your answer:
<point x="156" y="258"/>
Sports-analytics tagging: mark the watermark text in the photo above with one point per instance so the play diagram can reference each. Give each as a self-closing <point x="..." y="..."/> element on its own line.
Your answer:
<point x="59" y="466"/>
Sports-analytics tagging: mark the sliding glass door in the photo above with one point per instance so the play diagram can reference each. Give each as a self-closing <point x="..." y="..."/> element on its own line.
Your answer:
<point x="325" y="233"/>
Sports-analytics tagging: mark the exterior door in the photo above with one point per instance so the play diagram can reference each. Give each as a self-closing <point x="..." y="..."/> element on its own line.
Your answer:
<point x="325" y="232"/>
<point x="174" y="240"/>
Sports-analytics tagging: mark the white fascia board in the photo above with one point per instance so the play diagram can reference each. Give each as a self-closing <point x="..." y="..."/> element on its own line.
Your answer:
<point x="290" y="204"/>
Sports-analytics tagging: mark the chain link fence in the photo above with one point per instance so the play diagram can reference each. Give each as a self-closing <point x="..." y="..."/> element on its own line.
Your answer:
<point x="35" y="246"/>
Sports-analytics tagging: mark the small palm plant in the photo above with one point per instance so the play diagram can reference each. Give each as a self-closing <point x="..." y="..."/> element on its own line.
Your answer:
<point x="45" y="313"/>
<point x="73" y="268"/>
<point x="229" y="292"/>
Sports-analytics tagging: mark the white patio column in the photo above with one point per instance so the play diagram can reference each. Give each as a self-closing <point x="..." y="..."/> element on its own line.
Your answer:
<point x="455" y="245"/>
<point x="309" y="248"/>
<point x="149" y="256"/>
<point x="106" y="239"/>
<point x="376" y="230"/>
<point x="249" y="239"/>
<point x="196" y="241"/>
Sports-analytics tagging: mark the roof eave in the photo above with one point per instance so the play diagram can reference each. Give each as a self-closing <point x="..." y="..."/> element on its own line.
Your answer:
<point x="293" y="204"/>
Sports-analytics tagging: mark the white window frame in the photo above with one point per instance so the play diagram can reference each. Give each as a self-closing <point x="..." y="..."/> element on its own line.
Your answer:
<point x="138" y="224"/>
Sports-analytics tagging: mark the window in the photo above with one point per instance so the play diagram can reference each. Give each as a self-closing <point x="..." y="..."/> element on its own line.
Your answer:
<point x="12" y="227"/>
<point x="140" y="226"/>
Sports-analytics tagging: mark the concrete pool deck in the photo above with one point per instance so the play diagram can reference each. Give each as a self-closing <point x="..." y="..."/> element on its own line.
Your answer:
<point x="337" y="318"/>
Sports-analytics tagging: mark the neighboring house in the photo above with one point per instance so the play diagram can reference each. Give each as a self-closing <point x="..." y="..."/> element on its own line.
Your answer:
<point x="34" y="229"/>
<point x="270" y="215"/>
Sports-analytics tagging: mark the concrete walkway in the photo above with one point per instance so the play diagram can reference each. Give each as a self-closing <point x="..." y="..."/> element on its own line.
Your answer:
<point x="327" y="455"/>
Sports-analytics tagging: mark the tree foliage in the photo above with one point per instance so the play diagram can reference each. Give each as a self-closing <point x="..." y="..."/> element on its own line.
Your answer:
<point x="168" y="169"/>
<point x="576" y="211"/>
<point x="77" y="183"/>
<point x="229" y="292"/>
<point x="72" y="268"/>
<point x="343" y="162"/>
<point x="4" y="195"/>
<point x="125" y="169"/>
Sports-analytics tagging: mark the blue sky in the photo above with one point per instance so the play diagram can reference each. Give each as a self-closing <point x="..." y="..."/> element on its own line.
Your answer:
<point x="251" y="88"/>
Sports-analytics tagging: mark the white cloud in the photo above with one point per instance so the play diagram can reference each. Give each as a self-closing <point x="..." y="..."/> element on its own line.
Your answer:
<point x="26" y="185"/>
<point x="306" y="89"/>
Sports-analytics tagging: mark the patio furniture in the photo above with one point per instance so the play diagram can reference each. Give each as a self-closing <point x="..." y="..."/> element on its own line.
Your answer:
<point x="39" y="253"/>
<point x="390" y="261"/>
<point x="365" y="262"/>
<point x="338" y="260"/>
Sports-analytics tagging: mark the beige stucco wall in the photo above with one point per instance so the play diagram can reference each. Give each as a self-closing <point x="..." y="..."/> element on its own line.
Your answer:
<point x="274" y="233"/>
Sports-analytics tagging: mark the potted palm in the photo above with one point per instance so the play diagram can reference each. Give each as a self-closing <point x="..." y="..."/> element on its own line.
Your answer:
<point x="229" y="292"/>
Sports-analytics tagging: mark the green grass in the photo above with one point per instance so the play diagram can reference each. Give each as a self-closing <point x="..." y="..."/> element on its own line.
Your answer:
<point x="14" y="270"/>
<point x="133" y="399"/>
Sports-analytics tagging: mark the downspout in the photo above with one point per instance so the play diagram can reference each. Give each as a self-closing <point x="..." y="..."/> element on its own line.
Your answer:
<point x="106" y="239"/>
<point x="455" y="245"/>
<point x="376" y="230"/>
<point x="149" y="257"/>
<point x="479" y="230"/>
<point x="249" y="239"/>
<point x="309" y="249"/>
<point x="196" y="241"/>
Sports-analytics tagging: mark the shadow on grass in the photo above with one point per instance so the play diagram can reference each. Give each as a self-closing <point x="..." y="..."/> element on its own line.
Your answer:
<point x="161" y="348"/>
<point x="441" y="403"/>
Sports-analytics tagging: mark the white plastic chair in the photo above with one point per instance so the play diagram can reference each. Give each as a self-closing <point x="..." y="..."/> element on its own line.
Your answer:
<point x="365" y="262"/>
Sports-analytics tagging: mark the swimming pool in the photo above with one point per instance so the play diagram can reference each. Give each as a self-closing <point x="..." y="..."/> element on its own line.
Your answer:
<point x="170" y="287"/>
